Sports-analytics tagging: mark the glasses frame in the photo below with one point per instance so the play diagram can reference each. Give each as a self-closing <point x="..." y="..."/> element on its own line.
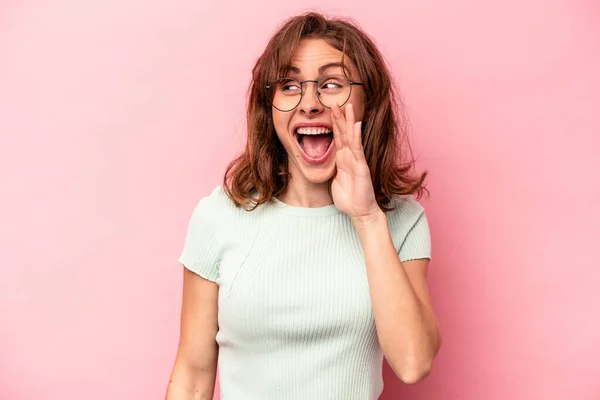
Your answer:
<point x="269" y="86"/>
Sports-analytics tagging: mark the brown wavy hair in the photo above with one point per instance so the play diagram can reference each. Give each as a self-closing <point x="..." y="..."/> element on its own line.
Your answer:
<point x="261" y="171"/>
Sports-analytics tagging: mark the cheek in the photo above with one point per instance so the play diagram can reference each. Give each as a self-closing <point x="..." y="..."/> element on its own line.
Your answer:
<point x="359" y="106"/>
<point x="280" y="122"/>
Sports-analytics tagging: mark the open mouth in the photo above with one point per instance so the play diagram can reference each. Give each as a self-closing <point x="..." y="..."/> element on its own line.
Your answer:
<point x="315" y="142"/>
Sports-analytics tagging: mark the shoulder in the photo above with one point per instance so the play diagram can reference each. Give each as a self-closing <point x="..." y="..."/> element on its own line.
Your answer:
<point x="409" y="228"/>
<point x="217" y="196"/>
<point x="215" y="201"/>
<point x="406" y="210"/>
<point x="218" y="209"/>
<point x="210" y="206"/>
<point x="203" y="242"/>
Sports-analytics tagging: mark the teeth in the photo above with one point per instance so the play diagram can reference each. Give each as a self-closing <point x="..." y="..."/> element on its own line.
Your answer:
<point x="313" y="131"/>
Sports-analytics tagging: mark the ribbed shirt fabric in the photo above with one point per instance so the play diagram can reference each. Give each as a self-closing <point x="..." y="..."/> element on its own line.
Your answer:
<point x="294" y="308"/>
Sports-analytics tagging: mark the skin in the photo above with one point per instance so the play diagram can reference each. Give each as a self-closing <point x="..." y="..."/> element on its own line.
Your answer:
<point x="406" y="325"/>
<point x="407" y="328"/>
<point x="309" y="184"/>
<point x="194" y="372"/>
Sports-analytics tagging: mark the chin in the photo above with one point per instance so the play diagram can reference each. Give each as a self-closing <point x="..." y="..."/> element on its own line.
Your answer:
<point x="313" y="175"/>
<point x="319" y="178"/>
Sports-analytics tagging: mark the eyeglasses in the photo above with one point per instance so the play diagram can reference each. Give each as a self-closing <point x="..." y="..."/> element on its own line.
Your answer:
<point x="286" y="93"/>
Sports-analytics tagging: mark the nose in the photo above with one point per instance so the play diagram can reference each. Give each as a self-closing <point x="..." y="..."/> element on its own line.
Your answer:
<point x="310" y="104"/>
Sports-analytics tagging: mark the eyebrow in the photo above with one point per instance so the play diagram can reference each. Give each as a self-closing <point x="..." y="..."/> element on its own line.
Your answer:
<point x="321" y="68"/>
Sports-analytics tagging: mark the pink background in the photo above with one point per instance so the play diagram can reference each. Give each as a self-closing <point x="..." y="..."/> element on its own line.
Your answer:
<point x="117" y="116"/>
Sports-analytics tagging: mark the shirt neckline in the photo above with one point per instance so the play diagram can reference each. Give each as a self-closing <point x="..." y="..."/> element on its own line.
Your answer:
<point x="324" y="211"/>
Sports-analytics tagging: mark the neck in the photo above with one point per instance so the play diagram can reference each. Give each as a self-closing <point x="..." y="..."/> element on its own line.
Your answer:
<point x="307" y="194"/>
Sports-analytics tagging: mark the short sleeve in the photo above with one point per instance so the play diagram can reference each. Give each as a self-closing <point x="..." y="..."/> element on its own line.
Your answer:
<point x="201" y="251"/>
<point x="417" y="242"/>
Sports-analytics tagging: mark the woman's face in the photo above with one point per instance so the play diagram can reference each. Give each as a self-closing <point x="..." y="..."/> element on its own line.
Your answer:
<point x="306" y="132"/>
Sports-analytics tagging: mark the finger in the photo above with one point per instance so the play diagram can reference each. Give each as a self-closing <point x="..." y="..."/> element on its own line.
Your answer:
<point x="337" y="137"/>
<point x="338" y="122"/>
<point x="341" y="120"/>
<point x="357" y="148"/>
<point x="353" y="134"/>
<point x="350" y="125"/>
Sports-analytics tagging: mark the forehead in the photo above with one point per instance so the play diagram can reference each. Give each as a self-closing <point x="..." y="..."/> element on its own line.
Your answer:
<point x="311" y="54"/>
<point x="310" y="50"/>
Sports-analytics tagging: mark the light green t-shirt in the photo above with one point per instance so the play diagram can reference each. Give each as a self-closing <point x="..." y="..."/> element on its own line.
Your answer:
<point x="294" y="308"/>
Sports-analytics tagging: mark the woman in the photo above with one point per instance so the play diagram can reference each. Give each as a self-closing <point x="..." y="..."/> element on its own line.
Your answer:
<point x="309" y="263"/>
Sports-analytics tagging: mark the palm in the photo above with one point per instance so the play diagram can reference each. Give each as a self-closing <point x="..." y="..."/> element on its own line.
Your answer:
<point x="352" y="188"/>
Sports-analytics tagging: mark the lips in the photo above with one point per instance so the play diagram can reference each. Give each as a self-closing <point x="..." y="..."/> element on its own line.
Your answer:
<point x="315" y="142"/>
<point x="315" y="125"/>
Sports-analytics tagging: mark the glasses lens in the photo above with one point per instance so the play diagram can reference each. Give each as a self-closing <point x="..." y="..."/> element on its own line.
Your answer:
<point x="333" y="89"/>
<point x="286" y="93"/>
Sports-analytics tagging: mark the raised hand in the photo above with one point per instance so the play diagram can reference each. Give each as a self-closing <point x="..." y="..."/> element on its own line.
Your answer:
<point x="352" y="188"/>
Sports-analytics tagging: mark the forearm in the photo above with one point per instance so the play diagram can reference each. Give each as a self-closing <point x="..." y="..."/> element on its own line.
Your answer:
<point x="191" y="384"/>
<point x="406" y="327"/>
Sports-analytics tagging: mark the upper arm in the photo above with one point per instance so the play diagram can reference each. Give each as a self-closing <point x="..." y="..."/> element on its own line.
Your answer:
<point x="415" y="255"/>
<point x="197" y="344"/>
<point x="415" y="248"/>
<point x="200" y="259"/>
<point x="201" y="250"/>
<point x="195" y="370"/>
<point x="416" y="271"/>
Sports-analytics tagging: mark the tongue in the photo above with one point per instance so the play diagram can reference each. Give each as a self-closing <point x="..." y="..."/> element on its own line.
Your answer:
<point x="315" y="146"/>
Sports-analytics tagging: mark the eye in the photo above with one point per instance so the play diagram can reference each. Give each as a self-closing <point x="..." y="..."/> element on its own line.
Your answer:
<point x="289" y="87"/>
<point x="333" y="84"/>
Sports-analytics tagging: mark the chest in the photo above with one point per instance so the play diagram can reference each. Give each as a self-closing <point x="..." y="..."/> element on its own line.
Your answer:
<point x="293" y="284"/>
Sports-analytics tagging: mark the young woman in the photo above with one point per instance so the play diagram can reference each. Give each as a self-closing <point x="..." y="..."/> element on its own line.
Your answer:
<point x="309" y="263"/>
